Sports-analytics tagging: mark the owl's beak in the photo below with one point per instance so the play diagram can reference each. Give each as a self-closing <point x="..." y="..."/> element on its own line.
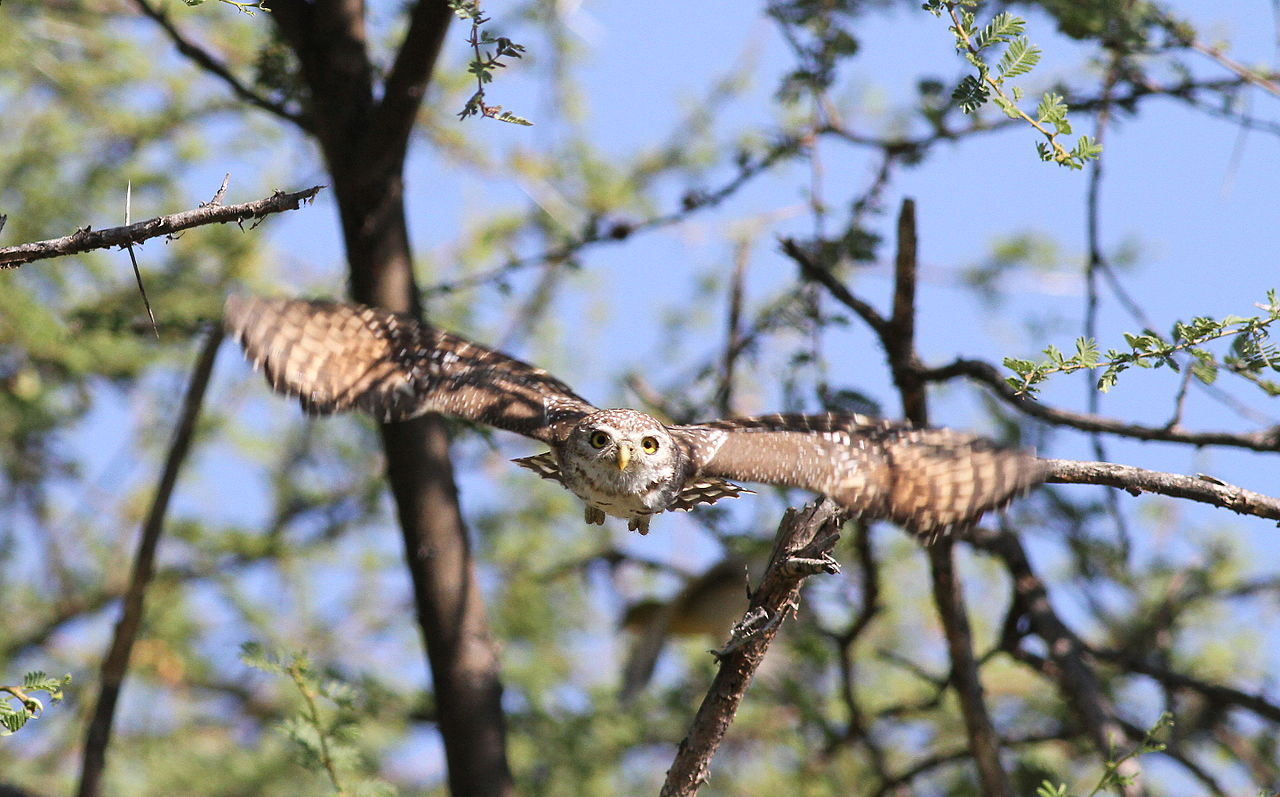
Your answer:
<point x="624" y="457"/>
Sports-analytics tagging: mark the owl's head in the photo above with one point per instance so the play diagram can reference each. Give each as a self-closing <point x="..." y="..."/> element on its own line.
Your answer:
<point x="623" y="447"/>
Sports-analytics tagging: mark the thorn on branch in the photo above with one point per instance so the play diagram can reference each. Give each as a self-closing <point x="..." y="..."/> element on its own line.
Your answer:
<point x="801" y="567"/>
<point x="222" y="190"/>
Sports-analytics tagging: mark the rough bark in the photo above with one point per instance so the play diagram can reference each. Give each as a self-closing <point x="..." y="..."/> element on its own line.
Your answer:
<point x="364" y="142"/>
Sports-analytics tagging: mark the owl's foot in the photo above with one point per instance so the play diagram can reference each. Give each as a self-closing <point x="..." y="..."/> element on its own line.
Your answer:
<point x="595" y="516"/>
<point x="640" y="524"/>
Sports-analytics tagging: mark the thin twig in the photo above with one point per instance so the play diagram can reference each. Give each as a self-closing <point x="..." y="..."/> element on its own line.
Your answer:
<point x="116" y="662"/>
<point x="811" y="270"/>
<point x="295" y="671"/>
<point x="733" y="344"/>
<point x="604" y="231"/>
<point x="1061" y="154"/>
<point x="1256" y="78"/>
<point x="87" y="239"/>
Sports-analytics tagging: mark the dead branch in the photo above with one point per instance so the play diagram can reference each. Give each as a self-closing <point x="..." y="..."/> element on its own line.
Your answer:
<point x="87" y="239"/>
<point x="896" y="333"/>
<point x="1135" y="481"/>
<point x="802" y="548"/>
<point x="116" y="662"/>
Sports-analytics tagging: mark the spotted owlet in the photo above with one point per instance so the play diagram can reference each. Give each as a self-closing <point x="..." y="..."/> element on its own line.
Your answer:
<point x="335" y="356"/>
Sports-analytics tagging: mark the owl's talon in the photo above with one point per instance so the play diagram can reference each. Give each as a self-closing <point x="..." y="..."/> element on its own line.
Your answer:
<point x="594" y="516"/>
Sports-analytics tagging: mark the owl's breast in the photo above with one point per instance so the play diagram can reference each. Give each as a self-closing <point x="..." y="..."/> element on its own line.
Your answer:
<point x="622" y="494"/>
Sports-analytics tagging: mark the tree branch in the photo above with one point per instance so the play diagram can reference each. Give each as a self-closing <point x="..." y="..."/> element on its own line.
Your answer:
<point x="896" y="335"/>
<point x="116" y="662"/>
<point x="984" y="742"/>
<point x="406" y="83"/>
<point x="602" y="230"/>
<point x="986" y="374"/>
<point x="1135" y="481"/>
<point x="211" y="64"/>
<point x="898" y="341"/>
<point x="802" y="548"/>
<point x="88" y="239"/>
<point x="1068" y="661"/>
<point x="813" y="271"/>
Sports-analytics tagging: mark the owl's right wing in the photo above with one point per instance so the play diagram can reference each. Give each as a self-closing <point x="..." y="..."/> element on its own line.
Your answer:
<point x="337" y="356"/>
<point x="929" y="480"/>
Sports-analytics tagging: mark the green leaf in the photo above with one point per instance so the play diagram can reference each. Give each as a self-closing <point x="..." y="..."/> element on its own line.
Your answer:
<point x="1052" y="109"/>
<point x="1019" y="59"/>
<point x="1108" y="380"/>
<point x="1086" y="149"/>
<point x="1002" y="27"/>
<point x="970" y="94"/>
<point x="1010" y="110"/>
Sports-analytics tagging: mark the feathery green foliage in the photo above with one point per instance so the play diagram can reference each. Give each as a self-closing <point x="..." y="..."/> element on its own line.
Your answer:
<point x="1020" y="56"/>
<point x="1112" y="777"/>
<point x="1251" y="354"/>
<point x="325" y="726"/>
<point x="19" y="705"/>
<point x="485" y="62"/>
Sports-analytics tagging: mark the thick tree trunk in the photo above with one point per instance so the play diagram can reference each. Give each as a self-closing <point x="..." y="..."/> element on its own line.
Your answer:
<point x="364" y="144"/>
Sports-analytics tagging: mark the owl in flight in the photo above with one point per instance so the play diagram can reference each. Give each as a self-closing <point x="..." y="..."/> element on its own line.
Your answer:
<point x="337" y="356"/>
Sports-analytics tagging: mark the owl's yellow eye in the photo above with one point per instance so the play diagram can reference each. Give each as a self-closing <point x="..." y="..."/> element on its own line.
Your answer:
<point x="598" y="439"/>
<point x="649" y="444"/>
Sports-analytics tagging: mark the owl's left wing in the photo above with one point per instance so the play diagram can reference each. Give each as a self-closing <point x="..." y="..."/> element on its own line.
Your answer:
<point x="337" y="356"/>
<point x="929" y="480"/>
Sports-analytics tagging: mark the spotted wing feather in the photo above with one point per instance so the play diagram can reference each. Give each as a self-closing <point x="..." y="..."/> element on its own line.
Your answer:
<point x="336" y="356"/>
<point x="930" y="480"/>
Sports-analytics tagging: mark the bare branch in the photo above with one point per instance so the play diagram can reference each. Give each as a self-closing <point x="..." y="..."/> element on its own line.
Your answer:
<point x="599" y="230"/>
<point x="896" y="335"/>
<point x="984" y="741"/>
<point x="806" y="535"/>
<point x="813" y="271"/>
<point x="87" y="239"/>
<point x="1256" y="702"/>
<point x="210" y="63"/>
<point x="1068" y="662"/>
<point x="116" y="662"/>
<point x="1202" y="488"/>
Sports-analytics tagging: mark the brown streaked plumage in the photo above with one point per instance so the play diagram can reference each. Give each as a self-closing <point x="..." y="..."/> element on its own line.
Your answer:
<point x="335" y="356"/>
